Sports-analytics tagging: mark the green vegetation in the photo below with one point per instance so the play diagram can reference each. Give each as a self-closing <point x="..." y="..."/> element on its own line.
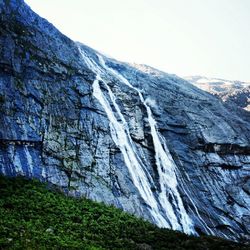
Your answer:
<point x="33" y="216"/>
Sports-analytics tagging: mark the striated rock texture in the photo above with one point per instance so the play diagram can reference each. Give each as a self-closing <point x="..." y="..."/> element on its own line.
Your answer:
<point x="129" y="135"/>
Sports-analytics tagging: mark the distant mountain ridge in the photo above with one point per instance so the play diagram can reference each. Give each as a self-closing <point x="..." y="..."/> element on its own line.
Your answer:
<point x="236" y="92"/>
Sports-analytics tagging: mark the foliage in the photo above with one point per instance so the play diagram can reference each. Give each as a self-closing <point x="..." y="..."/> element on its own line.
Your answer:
<point x="33" y="216"/>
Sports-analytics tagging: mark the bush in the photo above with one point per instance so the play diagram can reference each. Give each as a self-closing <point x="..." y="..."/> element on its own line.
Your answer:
<point x="35" y="217"/>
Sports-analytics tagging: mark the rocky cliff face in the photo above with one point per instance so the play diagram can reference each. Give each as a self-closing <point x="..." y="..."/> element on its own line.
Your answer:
<point x="129" y="135"/>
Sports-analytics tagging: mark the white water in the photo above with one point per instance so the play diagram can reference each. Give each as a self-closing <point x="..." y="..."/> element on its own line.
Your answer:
<point x="174" y="211"/>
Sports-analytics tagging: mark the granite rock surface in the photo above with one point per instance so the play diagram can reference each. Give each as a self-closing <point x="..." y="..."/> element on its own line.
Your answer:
<point x="54" y="127"/>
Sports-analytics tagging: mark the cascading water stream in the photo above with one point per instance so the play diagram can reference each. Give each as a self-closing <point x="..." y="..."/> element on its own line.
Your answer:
<point x="120" y="135"/>
<point x="175" y="216"/>
<point x="165" y="165"/>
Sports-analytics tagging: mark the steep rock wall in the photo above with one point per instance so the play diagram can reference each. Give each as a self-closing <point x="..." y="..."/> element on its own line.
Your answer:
<point x="54" y="128"/>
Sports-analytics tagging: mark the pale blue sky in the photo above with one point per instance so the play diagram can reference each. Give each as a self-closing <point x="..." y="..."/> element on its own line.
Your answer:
<point x="185" y="37"/>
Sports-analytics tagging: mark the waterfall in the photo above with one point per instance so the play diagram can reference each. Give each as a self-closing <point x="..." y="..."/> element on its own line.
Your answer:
<point x="165" y="213"/>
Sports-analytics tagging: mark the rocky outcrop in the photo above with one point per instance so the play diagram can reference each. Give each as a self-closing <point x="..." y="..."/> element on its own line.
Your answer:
<point x="233" y="92"/>
<point x="129" y="135"/>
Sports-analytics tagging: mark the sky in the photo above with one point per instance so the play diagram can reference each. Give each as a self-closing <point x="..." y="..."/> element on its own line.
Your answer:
<point x="184" y="37"/>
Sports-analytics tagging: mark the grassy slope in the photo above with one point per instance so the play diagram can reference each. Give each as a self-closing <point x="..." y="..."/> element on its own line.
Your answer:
<point x="33" y="217"/>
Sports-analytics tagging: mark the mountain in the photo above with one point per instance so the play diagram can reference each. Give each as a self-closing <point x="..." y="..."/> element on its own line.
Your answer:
<point x="131" y="136"/>
<point x="234" y="92"/>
